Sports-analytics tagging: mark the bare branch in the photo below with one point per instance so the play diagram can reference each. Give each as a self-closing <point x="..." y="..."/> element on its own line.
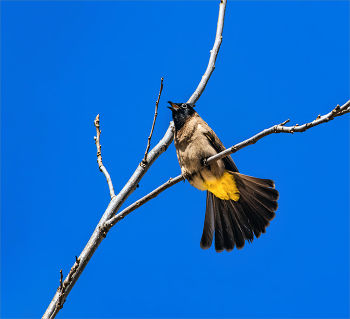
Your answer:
<point x="144" y="161"/>
<point x="143" y="200"/>
<point x="117" y="201"/>
<point x="107" y="220"/>
<point x="280" y="128"/>
<point x="213" y="54"/>
<point x="99" y="156"/>
<point x="114" y="205"/>
<point x="194" y="98"/>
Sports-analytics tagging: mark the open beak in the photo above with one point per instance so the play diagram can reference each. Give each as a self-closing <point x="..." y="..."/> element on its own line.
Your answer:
<point x="173" y="106"/>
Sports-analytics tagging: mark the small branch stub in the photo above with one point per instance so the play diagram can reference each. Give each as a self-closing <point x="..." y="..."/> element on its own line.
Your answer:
<point x="285" y="122"/>
<point x="144" y="161"/>
<point x="97" y="141"/>
<point x="63" y="285"/>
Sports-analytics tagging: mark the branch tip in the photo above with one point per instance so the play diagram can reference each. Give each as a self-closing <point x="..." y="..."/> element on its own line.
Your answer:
<point x="213" y="55"/>
<point x="144" y="161"/>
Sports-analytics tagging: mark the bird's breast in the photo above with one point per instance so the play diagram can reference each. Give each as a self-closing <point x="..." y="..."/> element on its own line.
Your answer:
<point x="191" y="156"/>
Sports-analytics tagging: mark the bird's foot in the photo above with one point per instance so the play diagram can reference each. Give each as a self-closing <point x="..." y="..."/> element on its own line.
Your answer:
<point x="186" y="175"/>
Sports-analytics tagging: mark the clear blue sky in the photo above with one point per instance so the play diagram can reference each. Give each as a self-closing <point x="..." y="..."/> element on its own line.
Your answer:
<point x="65" y="62"/>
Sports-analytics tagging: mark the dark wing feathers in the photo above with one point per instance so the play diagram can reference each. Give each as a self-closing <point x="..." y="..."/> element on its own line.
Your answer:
<point x="219" y="147"/>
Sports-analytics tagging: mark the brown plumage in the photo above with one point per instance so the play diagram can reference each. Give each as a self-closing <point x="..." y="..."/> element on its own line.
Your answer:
<point x="238" y="206"/>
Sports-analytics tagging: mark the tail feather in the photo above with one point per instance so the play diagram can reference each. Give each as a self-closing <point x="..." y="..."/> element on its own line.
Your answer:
<point x="269" y="204"/>
<point x="238" y="230"/>
<point x="219" y="235"/>
<point x="237" y="221"/>
<point x="208" y="229"/>
<point x="257" y="206"/>
<point x="258" y="222"/>
<point x="227" y="227"/>
<point x="233" y="233"/>
<point x="255" y="180"/>
<point x="238" y="214"/>
<point x="269" y="193"/>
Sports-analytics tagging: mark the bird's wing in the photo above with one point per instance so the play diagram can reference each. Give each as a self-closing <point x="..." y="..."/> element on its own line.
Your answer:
<point x="219" y="147"/>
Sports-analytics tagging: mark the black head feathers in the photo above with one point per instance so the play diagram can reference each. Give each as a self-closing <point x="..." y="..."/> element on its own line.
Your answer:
<point x="181" y="112"/>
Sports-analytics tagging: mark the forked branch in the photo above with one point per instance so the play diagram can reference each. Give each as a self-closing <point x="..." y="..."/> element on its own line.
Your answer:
<point x="114" y="205"/>
<point x="118" y="200"/>
<point x="110" y="218"/>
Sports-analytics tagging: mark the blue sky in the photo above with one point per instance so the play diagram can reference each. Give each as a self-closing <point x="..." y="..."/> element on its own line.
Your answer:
<point x="65" y="62"/>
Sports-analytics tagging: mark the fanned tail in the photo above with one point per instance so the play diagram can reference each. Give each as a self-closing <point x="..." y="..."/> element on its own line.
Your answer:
<point x="235" y="222"/>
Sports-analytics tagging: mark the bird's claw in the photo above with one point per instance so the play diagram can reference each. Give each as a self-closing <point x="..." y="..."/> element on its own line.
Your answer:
<point x="186" y="175"/>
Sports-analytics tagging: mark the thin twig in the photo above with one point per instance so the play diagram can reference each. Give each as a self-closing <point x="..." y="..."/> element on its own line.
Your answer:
<point x="143" y="200"/>
<point x="280" y="128"/>
<point x="61" y="279"/>
<point x="144" y="161"/>
<point x="99" y="156"/>
<point x="213" y="55"/>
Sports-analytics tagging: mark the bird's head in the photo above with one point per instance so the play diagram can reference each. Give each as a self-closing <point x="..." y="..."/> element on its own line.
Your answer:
<point x="181" y="112"/>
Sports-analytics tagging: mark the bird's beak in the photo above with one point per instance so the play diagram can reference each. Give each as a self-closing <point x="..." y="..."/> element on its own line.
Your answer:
<point x="173" y="106"/>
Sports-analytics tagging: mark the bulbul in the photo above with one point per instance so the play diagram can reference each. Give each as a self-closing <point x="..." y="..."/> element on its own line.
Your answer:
<point x="238" y="206"/>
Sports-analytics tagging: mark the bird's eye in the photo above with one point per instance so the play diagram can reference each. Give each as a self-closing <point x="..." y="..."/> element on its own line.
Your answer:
<point x="184" y="106"/>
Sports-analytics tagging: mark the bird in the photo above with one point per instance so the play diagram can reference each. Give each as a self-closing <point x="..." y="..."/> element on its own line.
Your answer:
<point x="237" y="206"/>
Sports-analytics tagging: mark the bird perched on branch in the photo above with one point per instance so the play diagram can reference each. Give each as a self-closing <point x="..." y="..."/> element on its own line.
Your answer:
<point x="238" y="206"/>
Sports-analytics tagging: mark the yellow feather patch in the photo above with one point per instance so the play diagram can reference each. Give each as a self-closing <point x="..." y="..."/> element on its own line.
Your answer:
<point x="224" y="188"/>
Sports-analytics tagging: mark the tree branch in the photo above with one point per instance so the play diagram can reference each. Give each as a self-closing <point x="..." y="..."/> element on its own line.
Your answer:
<point x="99" y="156"/>
<point x="144" y="161"/>
<point x="193" y="99"/>
<point x="172" y="181"/>
<point x="114" y="205"/>
<point x="107" y="220"/>
<point x="63" y="285"/>
<point x="118" y="200"/>
<point x="280" y="128"/>
<point x="213" y="55"/>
